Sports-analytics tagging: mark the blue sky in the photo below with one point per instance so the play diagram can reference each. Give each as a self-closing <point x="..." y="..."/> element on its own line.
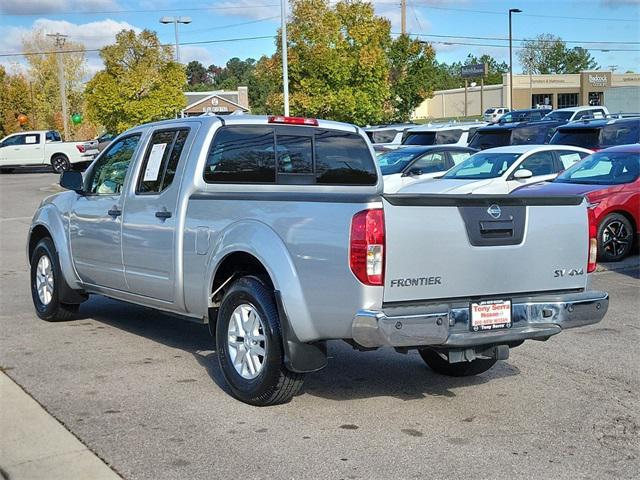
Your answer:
<point x="95" y="23"/>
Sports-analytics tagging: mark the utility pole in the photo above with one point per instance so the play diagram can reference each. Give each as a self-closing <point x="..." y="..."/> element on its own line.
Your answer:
<point x="511" y="10"/>
<point x="403" y="17"/>
<point x="285" y="61"/>
<point x="613" y="68"/>
<point x="60" y="40"/>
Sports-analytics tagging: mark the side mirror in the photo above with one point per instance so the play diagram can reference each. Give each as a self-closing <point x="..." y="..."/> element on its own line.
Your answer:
<point x="522" y="174"/>
<point x="414" y="172"/>
<point x="71" y="180"/>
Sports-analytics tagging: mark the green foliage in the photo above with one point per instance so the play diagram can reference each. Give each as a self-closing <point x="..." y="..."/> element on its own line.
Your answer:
<point x="412" y="75"/>
<point x="196" y="74"/>
<point x="547" y="54"/>
<point x="449" y="76"/>
<point x="13" y="101"/>
<point x="140" y="83"/>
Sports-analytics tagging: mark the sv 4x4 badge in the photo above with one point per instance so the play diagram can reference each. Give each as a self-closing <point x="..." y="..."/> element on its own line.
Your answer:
<point x="563" y="272"/>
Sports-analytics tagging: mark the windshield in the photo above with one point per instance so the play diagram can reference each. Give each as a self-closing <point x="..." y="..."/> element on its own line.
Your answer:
<point x="558" y="115"/>
<point x="578" y="137"/>
<point x="483" y="165"/>
<point x="395" y="161"/>
<point x="490" y="110"/>
<point x="604" y="169"/>
<point x="484" y="140"/>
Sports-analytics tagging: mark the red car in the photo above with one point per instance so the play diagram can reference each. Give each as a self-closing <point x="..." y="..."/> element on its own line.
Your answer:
<point x="610" y="180"/>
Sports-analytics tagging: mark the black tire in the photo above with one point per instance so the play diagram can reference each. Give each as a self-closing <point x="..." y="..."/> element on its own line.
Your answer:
<point x="274" y="384"/>
<point x="54" y="310"/>
<point x="615" y="238"/>
<point x="6" y="170"/>
<point x="461" y="369"/>
<point x="60" y="163"/>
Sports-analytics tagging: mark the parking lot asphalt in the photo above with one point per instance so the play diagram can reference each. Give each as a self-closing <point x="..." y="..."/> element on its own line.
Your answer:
<point x="142" y="389"/>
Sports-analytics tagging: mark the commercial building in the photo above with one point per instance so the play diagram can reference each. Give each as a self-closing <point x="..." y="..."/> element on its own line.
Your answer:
<point x="218" y="102"/>
<point x="618" y="92"/>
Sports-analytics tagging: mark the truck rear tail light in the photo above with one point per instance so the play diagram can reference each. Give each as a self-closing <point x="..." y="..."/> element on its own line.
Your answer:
<point x="293" y="120"/>
<point x="80" y="148"/>
<point x="367" y="245"/>
<point x="593" y="241"/>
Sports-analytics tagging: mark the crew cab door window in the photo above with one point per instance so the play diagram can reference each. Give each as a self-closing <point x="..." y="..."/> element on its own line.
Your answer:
<point x="242" y="154"/>
<point x="110" y="170"/>
<point x="161" y="160"/>
<point x="444" y="137"/>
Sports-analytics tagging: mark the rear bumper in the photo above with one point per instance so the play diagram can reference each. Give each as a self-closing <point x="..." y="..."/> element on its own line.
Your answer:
<point x="447" y="325"/>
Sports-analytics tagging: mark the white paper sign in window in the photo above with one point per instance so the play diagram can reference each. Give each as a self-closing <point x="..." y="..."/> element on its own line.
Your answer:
<point x="30" y="139"/>
<point x="569" y="159"/>
<point x="154" y="162"/>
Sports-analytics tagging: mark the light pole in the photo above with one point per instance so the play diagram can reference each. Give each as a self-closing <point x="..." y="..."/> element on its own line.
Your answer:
<point x="511" y="11"/>
<point x="59" y="40"/>
<point x="176" y="21"/>
<point x="285" y="61"/>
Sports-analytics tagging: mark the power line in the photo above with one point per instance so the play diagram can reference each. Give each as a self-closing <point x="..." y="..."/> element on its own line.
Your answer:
<point x="495" y="12"/>
<point x="125" y="11"/>
<point x="528" y="39"/>
<point x="203" y="42"/>
<point x="232" y="25"/>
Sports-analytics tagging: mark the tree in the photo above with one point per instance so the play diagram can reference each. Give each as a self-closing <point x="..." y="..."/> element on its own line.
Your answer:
<point x="196" y="74"/>
<point x="338" y="65"/>
<point x="412" y="75"/>
<point x="15" y="100"/>
<point x="547" y="54"/>
<point x="42" y="75"/>
<point x="140" y="83"/>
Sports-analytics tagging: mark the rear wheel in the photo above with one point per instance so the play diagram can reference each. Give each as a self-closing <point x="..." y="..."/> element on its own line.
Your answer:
<point x="461" y="369"/>
<point x="615" y="238"/>
<point x="46" y="282"/>
<point x="249" y="345"/>
<point x="60" y="163"/>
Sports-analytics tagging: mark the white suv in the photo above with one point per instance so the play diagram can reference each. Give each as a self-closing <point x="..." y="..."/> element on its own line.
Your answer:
<point x="444" y="134"/>
<point x="572" y="114"/>
<point x="492" y="115"/>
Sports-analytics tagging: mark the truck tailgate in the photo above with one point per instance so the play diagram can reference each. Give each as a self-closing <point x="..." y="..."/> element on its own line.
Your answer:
<point x="443" y="247"/>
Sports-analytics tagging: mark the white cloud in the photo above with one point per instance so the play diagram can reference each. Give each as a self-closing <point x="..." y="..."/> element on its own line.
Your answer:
<point x="30" y="7"/>
<point x="190" y="52"/>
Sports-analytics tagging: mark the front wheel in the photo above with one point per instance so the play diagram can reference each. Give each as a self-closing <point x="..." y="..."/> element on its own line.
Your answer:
<point x="462" y="369"/>
<point x="615" y="238"/>
<point x="60" y="164"/>
<point x="249" y="345"/>
<point x="46" y="282"/>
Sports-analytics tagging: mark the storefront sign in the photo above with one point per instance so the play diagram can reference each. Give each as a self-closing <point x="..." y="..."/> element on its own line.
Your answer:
<point x="474" y="70"/>
<point x="598" y="80"/>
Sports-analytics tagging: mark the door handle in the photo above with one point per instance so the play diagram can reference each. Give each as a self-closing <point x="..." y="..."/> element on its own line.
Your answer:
<point x="114" y="212"/>
<point x="163" y="214"/>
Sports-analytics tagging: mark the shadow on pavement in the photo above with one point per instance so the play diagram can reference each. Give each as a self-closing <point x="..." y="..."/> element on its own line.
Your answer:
<point x="350" y="374"/>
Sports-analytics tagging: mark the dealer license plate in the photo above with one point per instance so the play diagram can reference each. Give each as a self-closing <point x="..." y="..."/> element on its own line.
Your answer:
<point x="490" y="315"/>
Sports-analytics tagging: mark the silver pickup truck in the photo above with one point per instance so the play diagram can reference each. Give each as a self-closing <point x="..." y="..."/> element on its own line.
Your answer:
<point x="276" y="232"/>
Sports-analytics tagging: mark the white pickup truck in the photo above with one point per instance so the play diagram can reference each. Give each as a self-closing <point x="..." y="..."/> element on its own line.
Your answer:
<point x="44" y="147"/>
<point x="277" y="233"/>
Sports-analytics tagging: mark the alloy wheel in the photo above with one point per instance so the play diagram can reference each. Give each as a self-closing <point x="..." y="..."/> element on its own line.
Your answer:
<point x="44" y="280"/>
<point x="246" y="341"/>
<point x="616" y="238"/>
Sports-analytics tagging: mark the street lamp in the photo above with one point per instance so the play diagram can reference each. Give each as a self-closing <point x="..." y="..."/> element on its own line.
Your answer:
<point x="176" y="21"/>
<point x="511" y="11"/>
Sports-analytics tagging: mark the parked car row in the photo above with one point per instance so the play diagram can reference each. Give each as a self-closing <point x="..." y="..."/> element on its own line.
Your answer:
<point x="609" y="179"/>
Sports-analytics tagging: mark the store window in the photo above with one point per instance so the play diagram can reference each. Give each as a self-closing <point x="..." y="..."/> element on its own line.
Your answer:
<point x="540" y="100"/>
<point x="596" y="99"/>
<point x="566" y="100"/>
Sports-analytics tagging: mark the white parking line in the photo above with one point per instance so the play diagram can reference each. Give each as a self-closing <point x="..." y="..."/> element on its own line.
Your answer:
<point x="13" y="219"/>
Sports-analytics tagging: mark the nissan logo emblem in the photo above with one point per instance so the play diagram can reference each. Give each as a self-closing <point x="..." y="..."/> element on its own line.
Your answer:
<point x="495" y="211"/>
